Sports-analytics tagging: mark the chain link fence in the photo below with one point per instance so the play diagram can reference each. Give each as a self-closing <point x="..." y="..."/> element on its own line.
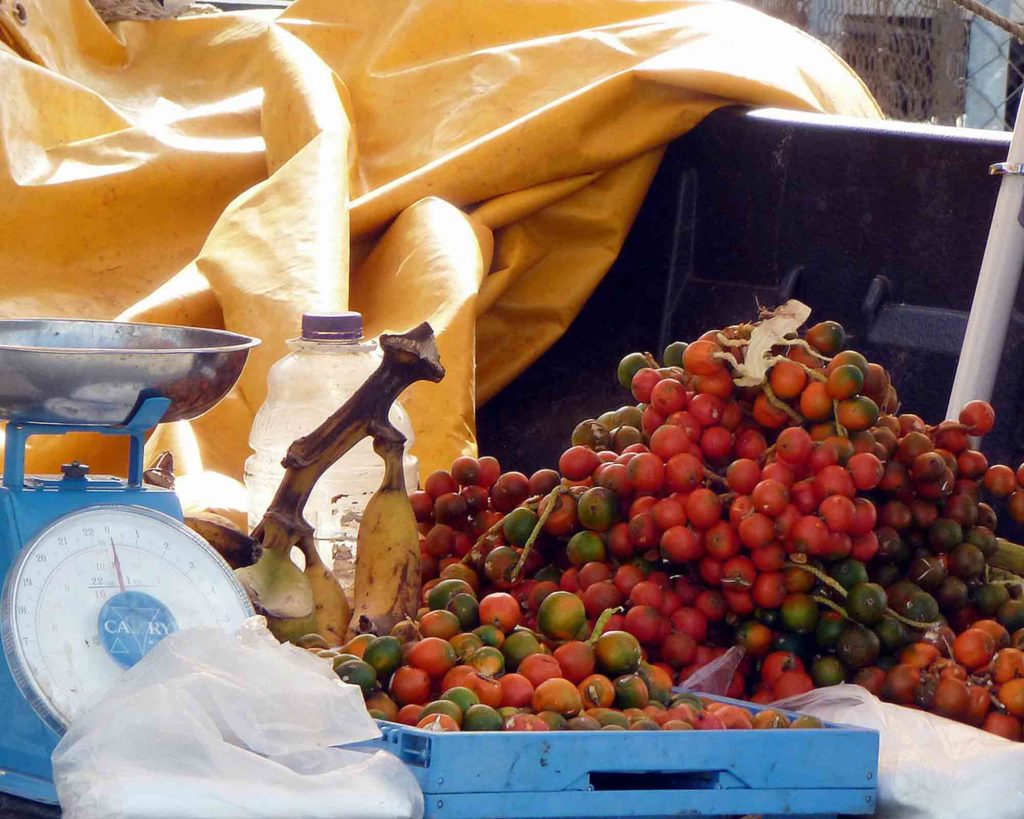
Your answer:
<point x="924" y="60"/>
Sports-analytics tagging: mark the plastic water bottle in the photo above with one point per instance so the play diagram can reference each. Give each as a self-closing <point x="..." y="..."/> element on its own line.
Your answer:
<point x="326" y="365"/>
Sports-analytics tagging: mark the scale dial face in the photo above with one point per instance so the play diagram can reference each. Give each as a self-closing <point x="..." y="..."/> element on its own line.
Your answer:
<point x="95" y="590"/>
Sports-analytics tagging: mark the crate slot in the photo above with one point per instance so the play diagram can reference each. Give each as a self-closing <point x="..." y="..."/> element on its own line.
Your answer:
<point x="661" y="780"/>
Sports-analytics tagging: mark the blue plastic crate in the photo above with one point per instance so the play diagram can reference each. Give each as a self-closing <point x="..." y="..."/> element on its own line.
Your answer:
<point x="494" y="775"/>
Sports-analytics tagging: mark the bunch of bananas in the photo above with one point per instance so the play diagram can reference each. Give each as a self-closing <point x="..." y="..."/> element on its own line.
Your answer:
<point x="301" y="601"/>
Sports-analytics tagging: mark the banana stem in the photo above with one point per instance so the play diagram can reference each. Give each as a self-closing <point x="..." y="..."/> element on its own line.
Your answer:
<point x="556" y="493"/>
<point x="408" y="358"/>
<point x="599" y="626"/>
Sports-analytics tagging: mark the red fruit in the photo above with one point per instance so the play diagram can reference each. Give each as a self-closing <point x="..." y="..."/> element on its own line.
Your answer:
<point x="422" y="506"/>
<point x="835" y="480"/>
<point x="644" y="623"/>
<point x="866" y="470"/>
<point x="741" y="507"/>
<point x="544" y="480"/>
<point x="692" y="622"/>
<point x="643" y="531"/>
<point x="716" y="443"/>
<point x="707" y="409"/>
<point x="770" y="496"/>
<point x="743" y="475"/>
<point x="793" y="446"/>
<point x="778" y="471"/>
<point x="510" y="490"/>
<point x="1000" y="480"/>
<point x="680" y="545"/>
<point x="647" y="472"/>
<point x="777" y="663"/>
<point x="440" y="483"/>
<point x="627" y="577"/>
<point x="668" y="440"/>
<point x="678" y="649"/>
<point x="732" y="415"/>
<point x="721" y="541"/>
<point x="684" y="473"/>
<point x="569" y="581"/>
<point x="769" y="558"/>
<point x="864" y="547"/>
<point x="703" y="508"/>
<point x="738" y="574"/>
<point x="749" y="443"/>
<point x="440" y="541"/>
<point x="864" y="517"/>
<point x="791" y="683"/>
<point x="669" y="512"/>
<point x="685" y="420"/>
<point x="465" y="470"/>
<point x="784" y="522"/>
<point x="667" y="396"/>
<point x="710" y="571"/>
<point x="488" y="471"/>
<point x="838" y="547"/>
<point x="838" y="512"/>
<point x="805" y="496"/>
<point x="756" y="530"/>
<point x="593" y="572"/>
<point x="711" y="604"/>
<point x="739" y="602"/>
<point x="978" y="416"/>
<point x="822" y="456"/>
<point x="619" y="543"/>
<point x="650" y="421"/>
<point x="600" y="596"/>
<point x="577" y="463"/>
<point x="809" y="535"/>
<point x="769" y="590"/>
<point x="646" y="593"/>
<point x="644" y="380"/>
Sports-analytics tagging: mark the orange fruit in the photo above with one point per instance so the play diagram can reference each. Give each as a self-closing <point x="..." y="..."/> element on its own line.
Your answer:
<point x="596" y="691"/>
<point x="561" y="615"/>
<point x="516" y="690"/>
<point x="456" y="677"/>
<point x="951" y="699"/>
<point x="501" y="610"/>
<point x="357" y="645"/>
<point x="438" y="722"/>
<point x="978" y="704"/>
<point x="974" y="648"/>
<point x="410" y="714"/>
<point x="1007" y="665"/>
<point x="576" y="659"/>
<point x="410" y="685"/>
<point x="488" y="690"/>
<point x="919" y="655"/>
<point x="815" y="402"/>
<point x="1002" y="725"/>
<point x="434" y="655"/>
<point x="559" y="695"/>
<point x="382" y="702"/>
<point x="440" y="623"/>
<point x="1011" y="695"/>
<point x="999" y="634"/>
<point x="539" y="667"/>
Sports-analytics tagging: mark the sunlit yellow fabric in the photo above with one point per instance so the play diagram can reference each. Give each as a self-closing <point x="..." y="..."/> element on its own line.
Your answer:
<point x="474" y="163"/>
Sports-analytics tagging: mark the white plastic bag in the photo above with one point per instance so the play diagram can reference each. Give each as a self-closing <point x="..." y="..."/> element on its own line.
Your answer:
<point x="212" y="724"/>
<point x="928" y="767"/>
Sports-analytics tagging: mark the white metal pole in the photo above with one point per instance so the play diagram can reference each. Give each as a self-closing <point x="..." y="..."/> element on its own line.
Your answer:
<point x="997" y="284"/>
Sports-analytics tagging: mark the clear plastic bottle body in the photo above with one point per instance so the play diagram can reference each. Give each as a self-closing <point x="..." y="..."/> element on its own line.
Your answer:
<point x="303" y="389"/>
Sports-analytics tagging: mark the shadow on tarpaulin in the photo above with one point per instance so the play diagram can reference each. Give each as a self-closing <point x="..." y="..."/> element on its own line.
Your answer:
<point x="880" y="226"/>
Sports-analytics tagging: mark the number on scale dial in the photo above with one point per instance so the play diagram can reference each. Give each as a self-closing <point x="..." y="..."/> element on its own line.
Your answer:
<point x="95" y="590"/>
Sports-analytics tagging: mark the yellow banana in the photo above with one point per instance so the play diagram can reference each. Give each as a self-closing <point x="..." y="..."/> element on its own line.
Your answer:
<point x="230" y="542"/>
<point x="330" y="606"/>
<point x="387" y="581"/>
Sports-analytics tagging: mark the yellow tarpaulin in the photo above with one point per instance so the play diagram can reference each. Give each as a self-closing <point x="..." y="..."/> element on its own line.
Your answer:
<point x="474" y="163"/>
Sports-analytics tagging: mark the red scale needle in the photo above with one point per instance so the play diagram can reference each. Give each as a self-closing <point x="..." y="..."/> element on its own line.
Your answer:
<point x="117" y="565"/>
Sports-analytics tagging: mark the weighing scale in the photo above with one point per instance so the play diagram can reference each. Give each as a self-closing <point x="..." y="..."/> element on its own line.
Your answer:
<point x="97" y="569"/>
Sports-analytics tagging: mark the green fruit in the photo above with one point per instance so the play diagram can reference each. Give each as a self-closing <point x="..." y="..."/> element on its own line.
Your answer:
<point x="629" y="366"/>
<point x="385" y="655"/>
<point x="462" y="697"/>
<point x="900" y="592"/>
<point x="481" y="718"/>
<point x="768" y="617"/>
<point x="892" y="634"/>
<point x="885" y="574"/>
<point x="673" y="355"/>
<point x="445" y="591"/>
<point x="858" y="646"/>
<point x="945" y="534"/>
<point x="644" y="724"/>
<point x="311" y="641"/>
<point x="806" y="721"/>
<point x="613" y="728"/>
<point x="597" y="509"/>
<point x="984" y="539"/>
<point x="989" y="598"/>
<point x="583" y="723"/>
<point x="617" y="652"/>
<point x="920" y="607"/>
<point x="828" y="671"/>
<point x="357" y="672"/>
<point x="630" y="691"/>
<point x="490" y="635"/>
<point x="927" y="572"/>
<point x="554" y="720"/>
<point x="1011" y="615"/>
<point x="552" y="573"/>
<point x="517" y="646"/>
<point x="966" y="561"/>
<point x="507" y="711"/>
<point x="887" y="663"/>
<point x="623" y="436"/>
<point x="799" y="613"/>
<point x="848" y="573"/>
<point x="629" y="417"/>
<point x="892" y="547"/>
<point x="830" y="626"/>
<point x="591" y="434"/>
<point x="866" y="603"/>
<point x="466" y="608"/>
<point x="446" y="707"/>
<point x="952" y="595"/>
<point x="608" y="717"/>
<point x="585" y="547"/>
<point x="803" y="645"/>
<point x="519" y="525"/>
